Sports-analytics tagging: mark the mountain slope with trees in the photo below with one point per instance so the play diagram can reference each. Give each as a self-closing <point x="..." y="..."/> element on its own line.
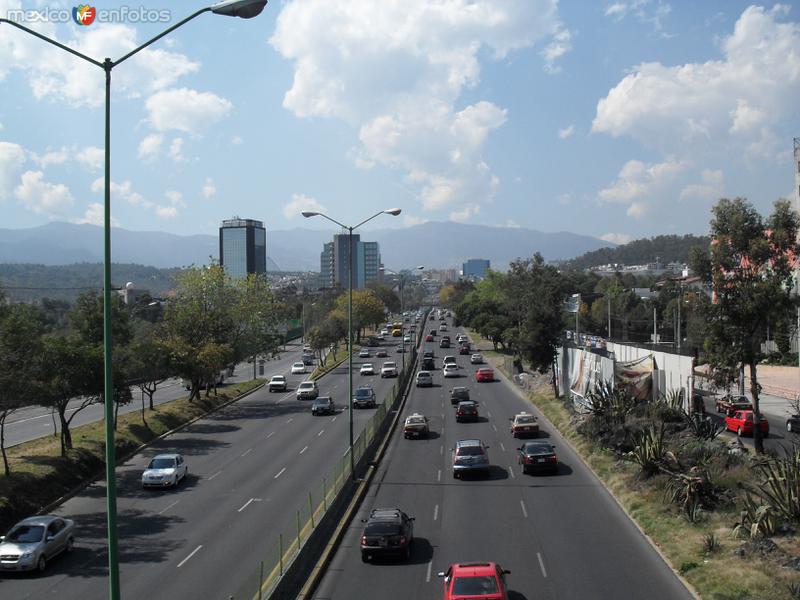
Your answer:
<point x="666" y="248"/>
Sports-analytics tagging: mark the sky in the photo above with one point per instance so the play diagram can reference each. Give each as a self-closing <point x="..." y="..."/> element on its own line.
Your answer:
<point x="617" y="119"/>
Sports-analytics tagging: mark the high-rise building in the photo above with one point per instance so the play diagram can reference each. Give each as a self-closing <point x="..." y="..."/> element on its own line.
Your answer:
<point x="243" y="247"/>
<point x="475" y="268"/>
<point x="335" y="259"/>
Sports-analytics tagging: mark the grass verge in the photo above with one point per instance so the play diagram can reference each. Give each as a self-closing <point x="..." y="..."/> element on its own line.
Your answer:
<point x="704" y="553"/>
<point x="40" y="475"/>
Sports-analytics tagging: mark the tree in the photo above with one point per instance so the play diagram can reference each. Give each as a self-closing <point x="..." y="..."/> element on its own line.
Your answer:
<point x="367" y="309"/>
<point x="148" y="364"/>
<point x="21" y="330"/>
<point x="750" y="268"/>
<point x="86" y="317"/>
<point x="385" y="294"/>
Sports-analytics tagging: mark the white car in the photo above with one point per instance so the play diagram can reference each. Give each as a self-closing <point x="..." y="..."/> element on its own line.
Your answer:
<point x="407" y="339"/>
<point x="298" y="368"/>
<point x="424" y="379"/>
<point x="384" y="332"/>
<point x="449" y="360"/>
<point x="389" y="369"/>
<point x="364" y="353"/>
<point x="367" y="369"/>
<point x="450" y="370"/>
<point x="277" y="383"/>
<point x="307" y="390"/>
<point x="164" y="470"/>
<point x="476" y="359"/>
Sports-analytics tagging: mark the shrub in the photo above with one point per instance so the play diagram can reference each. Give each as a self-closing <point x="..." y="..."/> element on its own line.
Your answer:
<point x="649" y="450"/>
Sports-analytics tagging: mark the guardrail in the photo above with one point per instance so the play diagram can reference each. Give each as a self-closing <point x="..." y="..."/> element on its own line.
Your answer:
<point x="325" y="499"/>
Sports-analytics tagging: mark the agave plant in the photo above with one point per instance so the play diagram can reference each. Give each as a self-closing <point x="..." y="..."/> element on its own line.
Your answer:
<point x="756" y="519"/>
<point x="611" y="404"/>
<point x="703" y="428"/>
<point x="780" y="483"/>
<point x="649" y="450"/>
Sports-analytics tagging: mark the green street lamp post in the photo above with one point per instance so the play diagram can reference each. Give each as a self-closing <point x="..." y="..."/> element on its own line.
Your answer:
<point x="308" y="214"/>
<point x="244" y="9"/>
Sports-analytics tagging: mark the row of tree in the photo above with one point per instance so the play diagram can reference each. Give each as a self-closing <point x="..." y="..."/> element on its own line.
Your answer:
<point x="211" y="322"/>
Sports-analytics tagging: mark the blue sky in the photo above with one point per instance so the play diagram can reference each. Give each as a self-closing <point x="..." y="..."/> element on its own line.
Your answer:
<point x="617" y="119"/>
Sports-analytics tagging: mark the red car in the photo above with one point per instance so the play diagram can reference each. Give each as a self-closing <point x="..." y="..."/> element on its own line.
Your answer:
<point x="475" y="580"/>
<point x="429" y="338"/>
<point x="484" y="375"/>
<point x="742" y="423"/>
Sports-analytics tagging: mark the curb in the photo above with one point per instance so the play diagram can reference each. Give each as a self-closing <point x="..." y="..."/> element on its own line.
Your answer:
<point x="127" y="456"/>
<point x="527" y="397"/>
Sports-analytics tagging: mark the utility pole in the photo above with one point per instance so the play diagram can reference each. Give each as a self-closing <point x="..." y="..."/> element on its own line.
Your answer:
<point x="608" y="303"/>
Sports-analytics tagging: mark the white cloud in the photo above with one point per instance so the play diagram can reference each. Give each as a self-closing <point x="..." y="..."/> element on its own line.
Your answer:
<point x="61" y="77"/>
<point x="566" y="199"/>
<point x="92" y="157"/>
<point x="166" y="212"/>
<point x="94" y="216"/>
<point x="42" y="197"/>
<point x="299" y="203"/>
<point x="185" y="110"/>
<point x="396" y="69"/>
<point x="236" y="140"/>
<point x="744" y="99"/>
<point x="465" y="213"/>
<point x="645" y="11"/>
<point x="410" y="221"/>
<point x="52" y="157"/>
<point x="209" y="189"/>
<point x="121" y="191"/>
<point x="150" y="145"/>
<point x="175" y="150"/>
<point x="639" y="184"/>
<point x="561" y="45"/>
<point x="710" y="188"/>
<point x="511" y="224"/>
<point x="616" y="238"/>
<point x="566" y="132"/>
<point x="12" y="159"/>
<point x="175" y="198"/>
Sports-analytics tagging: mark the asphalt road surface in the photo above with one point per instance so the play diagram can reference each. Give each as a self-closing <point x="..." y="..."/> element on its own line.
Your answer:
<point x="561" y="536"/>
<point x="251" y="466"/>
<point x="36" y="421"/>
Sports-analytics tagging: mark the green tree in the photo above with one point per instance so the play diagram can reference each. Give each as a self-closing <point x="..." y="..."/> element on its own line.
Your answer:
<point x="385" y="294"/>
<point x="367" y="309"/>
<point x="148" y="364"/>
<point x="751" y="272"/>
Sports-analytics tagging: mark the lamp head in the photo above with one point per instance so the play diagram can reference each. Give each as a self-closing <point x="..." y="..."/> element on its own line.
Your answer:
<point x="244" y="9"/>
<point x="393" y="211"/>
<point x="309" y="213"/>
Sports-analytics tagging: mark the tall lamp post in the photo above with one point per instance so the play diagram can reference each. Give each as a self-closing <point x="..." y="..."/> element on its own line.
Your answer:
<point x="308" y="214"/>
<point x="402" y="304"/>
<point x="244" y="9"/>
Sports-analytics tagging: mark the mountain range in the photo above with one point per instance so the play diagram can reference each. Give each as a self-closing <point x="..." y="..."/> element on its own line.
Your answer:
<point x="433" y="244"/>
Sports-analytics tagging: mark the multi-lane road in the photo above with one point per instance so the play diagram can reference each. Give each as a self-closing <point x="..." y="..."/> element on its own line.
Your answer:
<point x="561" y="536"/>
<point x="251" y="465"/>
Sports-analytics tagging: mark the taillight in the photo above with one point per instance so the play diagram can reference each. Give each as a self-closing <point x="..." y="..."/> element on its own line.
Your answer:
<point x="554" y="458"/>
<point x="402" y="539"/>
<point x="363" y="540"/>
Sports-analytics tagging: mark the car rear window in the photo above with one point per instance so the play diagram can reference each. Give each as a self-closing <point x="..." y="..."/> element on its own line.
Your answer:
<point x="381" y="528"/>
<point x="470" y="451"/>
<point x="527" y="419"/>
<point x="474" y="586"/>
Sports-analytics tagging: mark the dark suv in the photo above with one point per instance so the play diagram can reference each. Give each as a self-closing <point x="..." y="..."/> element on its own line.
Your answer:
<point x="364" y="397"/>
<point x="467" y="411"/>
<point x="428" y="364"/>
<point x="459" y="394"/>
<point x="389" y="531"/>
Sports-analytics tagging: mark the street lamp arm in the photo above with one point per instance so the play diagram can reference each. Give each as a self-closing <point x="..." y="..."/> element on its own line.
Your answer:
<point x="160" y="35"/>
<point x="52" y="41"/>
<point x="323" y="215"/>
<point x="377" y="214"/>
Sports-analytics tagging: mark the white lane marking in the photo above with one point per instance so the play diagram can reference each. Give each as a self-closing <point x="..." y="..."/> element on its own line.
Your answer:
<point x="511" y="470"/>
<point x="428" y="573"/>
<point x="180" y="564"/>
<point x="524" y="510"/>
<point x="304" y="449"/>
<point x="163" y="510"/>
<point x="333" y="419"/>
<point x="494" y="427"/>
<point x="435" y="512"/>
<point x="488" y="414"/>
<point x="280" y="473"/>
<point x="541" y="564"/>
<point x="503" y="448"/>
<point x="269" y="435"/>
<point x="214" y="475"/>
<point x="321" y="431"/>
<point x="439" y="475"/>
<point x="290" y="420"/>
<point x="245" y="505"/>
<point x="441" y="449"/>
<point x="246" y="452"/>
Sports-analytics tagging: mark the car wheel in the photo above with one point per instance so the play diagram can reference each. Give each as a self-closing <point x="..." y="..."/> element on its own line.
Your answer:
<point x="766" y="434"/>
<point x="739" y="432"/>
<point x="455" y="475"/>
<point x="70" y="545"/>
<point x="407" y="553"/>
<point x="364" y="557"/>
<point x="789" y="426"/>
<point x="41" y="564"/>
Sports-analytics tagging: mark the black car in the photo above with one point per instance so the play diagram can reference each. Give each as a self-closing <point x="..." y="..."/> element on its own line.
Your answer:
<point x="793" y="423"/>
<point x="428" y="364"/>
<point x="388" y="531"/>
<point x="323" y="405"/>
<point x="537" y="457"/>
<point x="444" y="343"/>
<point x="364" y="397"/>
<point x="467" y="411"/>
<point x="427" y="354"/>
<point x="459" y="394"/>
<point x="308" y="359"/>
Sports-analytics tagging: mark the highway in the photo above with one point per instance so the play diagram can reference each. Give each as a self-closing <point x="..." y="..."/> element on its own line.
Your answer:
<point x="251" y="465"/>
<point x="561" y="536"/>
<point x="36" y="421"/>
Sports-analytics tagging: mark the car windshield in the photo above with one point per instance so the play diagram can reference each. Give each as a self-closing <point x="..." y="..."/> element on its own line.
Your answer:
<point x="300" y="365"/>
<point x="321" y="402"/>
<point x="382" y="528"/>
<point x="277" y="378"/>
<point x="474" y="586"/>
<point x="26" y="534"/>
<point x="470" y="451"/>
<point x="525" y="419"/>
<point x="306" y="385"/>
<point x="363" y="392"/>
<point x="161" y="463"/>
<point x="415" y="421"/>
<point x="389" y="365"/>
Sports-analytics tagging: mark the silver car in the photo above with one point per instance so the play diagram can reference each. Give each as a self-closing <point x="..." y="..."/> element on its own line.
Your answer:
<point x="164" y="470"/>
<point x="34" y="541"/>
